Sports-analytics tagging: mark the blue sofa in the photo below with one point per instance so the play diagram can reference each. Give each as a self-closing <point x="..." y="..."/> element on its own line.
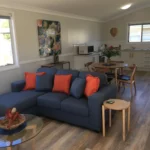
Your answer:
<point x="84" y="112"/>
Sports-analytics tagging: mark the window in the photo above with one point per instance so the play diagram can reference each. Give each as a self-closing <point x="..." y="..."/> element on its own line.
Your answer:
<point x="139" y="33"/>
<point x="7" y="53"/>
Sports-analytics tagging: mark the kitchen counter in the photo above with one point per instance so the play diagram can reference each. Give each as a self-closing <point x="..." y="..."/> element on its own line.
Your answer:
<point x="87" y="55"/>
<point x="138" y="50"/>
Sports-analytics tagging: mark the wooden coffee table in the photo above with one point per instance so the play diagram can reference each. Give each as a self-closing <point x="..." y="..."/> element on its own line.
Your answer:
<point x="117" y="105"/>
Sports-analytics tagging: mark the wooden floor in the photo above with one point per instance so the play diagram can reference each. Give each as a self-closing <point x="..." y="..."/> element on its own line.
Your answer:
<point x="61" y="136"/>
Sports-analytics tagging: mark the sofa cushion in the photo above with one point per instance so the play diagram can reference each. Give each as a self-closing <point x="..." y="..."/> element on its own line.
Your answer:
<point x="21" y="100"/>
<point x="62" y="83"/>
<point x="74" y="73"/>
<point x="44" y="83"/>
<point x="101" y="76"/>
<point x="52" y="100"/>
<point x="30" y="80"/>
<point x="50" y="71"/>
<point x="92" y="85"/>
<point x="77" y="87"/>
<point x="75" y="106"/>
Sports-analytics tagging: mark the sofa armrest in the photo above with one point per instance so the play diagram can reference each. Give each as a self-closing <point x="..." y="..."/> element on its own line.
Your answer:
<point x="95" y="103"/>
<point x="17" y="86"/>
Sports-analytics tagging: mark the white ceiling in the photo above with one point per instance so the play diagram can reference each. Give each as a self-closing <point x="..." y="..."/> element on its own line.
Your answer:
<point x="97" y="9"/>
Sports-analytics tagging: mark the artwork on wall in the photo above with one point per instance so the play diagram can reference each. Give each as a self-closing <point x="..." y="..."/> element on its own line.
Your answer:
<point x="113" y="32"/>
<point x="49" y="37"/>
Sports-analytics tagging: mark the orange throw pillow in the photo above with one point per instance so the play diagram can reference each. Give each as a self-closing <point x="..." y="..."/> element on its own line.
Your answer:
<point x="62" y="83"/>
<point x="92" y="85"/>
<point x="30" y="80"/>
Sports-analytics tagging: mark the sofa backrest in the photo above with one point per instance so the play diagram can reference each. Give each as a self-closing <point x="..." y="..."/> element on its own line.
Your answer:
<point x="50" y="71"/>
<point x="75" y="74"/>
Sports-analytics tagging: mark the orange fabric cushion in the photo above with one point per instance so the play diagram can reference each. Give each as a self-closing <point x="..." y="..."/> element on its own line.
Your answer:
<point x="62" y="83"/>
<point x="92" y="85"/>
<point x="30" y="80"/>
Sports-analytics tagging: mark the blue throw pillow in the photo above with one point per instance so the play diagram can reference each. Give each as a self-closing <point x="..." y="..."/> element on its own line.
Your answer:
<point x="44" y="83"/>
<point x="77" y="87"/>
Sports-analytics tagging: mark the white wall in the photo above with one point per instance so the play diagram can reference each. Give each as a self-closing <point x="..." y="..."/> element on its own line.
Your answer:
<point x="73" y="31"/>
<point x="121" y="23"/>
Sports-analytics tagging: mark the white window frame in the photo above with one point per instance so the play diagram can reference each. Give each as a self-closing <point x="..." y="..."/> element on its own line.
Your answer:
<point x="128" y="33"/>
<point x="13" y="40"/>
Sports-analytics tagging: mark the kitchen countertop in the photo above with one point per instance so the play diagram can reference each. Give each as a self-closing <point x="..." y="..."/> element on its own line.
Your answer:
<point x="138" y="50"/>
<point x="88" y="55"/>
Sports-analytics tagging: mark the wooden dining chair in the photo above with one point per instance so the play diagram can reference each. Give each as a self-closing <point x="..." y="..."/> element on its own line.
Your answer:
<point x="125" y="79"/>
<point x="87" y="65"/>
<point x="118" y="61"/>
<point x="92" y="68"/>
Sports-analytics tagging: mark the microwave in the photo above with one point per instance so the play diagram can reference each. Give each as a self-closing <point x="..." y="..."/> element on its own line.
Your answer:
<point x="85" y="50"/>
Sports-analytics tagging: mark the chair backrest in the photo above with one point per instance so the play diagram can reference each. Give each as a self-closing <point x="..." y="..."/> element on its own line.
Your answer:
<point x="133" y="68"/>
<point x="92" y="68"/>
<point x="132" y="78"/>
<point x="87" y="65"/>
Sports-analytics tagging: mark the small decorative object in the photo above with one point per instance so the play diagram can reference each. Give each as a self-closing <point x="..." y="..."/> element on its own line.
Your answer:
<point x="56" y="57"/>
<point x="110" y="101"/>
<point x="49" y="37"/>
<point x="110" y="52"/>
<point x="113" y="32"/>
<point x="12" y="119"/>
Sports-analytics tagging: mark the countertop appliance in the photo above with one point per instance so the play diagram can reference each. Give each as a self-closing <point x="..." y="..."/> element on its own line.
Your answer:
<point x="86" y="50"/>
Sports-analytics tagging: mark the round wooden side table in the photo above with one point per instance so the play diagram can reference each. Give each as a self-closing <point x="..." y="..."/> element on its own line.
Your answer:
<point x="117" y="105"/>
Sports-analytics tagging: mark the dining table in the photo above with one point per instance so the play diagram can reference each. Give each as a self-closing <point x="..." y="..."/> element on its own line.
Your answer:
<point x="110" y="66"/>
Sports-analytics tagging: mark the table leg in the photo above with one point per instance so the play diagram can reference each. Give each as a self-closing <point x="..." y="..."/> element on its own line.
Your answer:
<point x="123" y="125"/>
<point x="33" y="144"/>
<point x="109" y="117"/>
<point x="103" y="119"/>
<point x="9" y="148"/>
<point x="129" y="109"/>
<point x="18" y="147"/>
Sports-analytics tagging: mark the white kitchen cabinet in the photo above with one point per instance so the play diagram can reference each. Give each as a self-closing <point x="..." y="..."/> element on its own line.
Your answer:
<point x="124" y="56"/>
<point x="81" y="60"/>
<point x="140" y="58"/>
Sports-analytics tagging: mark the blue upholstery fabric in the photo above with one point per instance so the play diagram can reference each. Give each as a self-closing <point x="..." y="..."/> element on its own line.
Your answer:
<point x="85" y="112"/>
<point x="124" y="77"/>
<point x="58" y="114"/>
<point x="95" y="103"/>
<point x="74" y="73"/>
<point x="51" y="100"/>
<point x="77" y="87"/>
<point x="21" y="100"/>
<point x="50" y="71"/>
<point x="17" y="86"/>
<point x="31" y="110"/>
<point x="101" y="76"/>
<point x="75" y="106"/>
<point x="44" y="83"/>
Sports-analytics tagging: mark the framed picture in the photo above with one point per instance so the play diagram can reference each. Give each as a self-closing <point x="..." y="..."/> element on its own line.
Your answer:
<point x="49" y="37"/>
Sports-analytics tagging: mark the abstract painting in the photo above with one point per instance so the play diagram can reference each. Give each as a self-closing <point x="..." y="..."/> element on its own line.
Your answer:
<point x="49" y="37"/>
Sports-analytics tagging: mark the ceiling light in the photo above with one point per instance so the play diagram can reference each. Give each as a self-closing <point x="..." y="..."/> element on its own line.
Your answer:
<point x="126" y="6"/>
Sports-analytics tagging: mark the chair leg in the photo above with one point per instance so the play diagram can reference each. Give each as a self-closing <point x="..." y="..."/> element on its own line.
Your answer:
<point x="135" y="87"/>
<point x="131" y="89"/>
<point x="123" y="87"/>
<point x="118" y="86"/>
